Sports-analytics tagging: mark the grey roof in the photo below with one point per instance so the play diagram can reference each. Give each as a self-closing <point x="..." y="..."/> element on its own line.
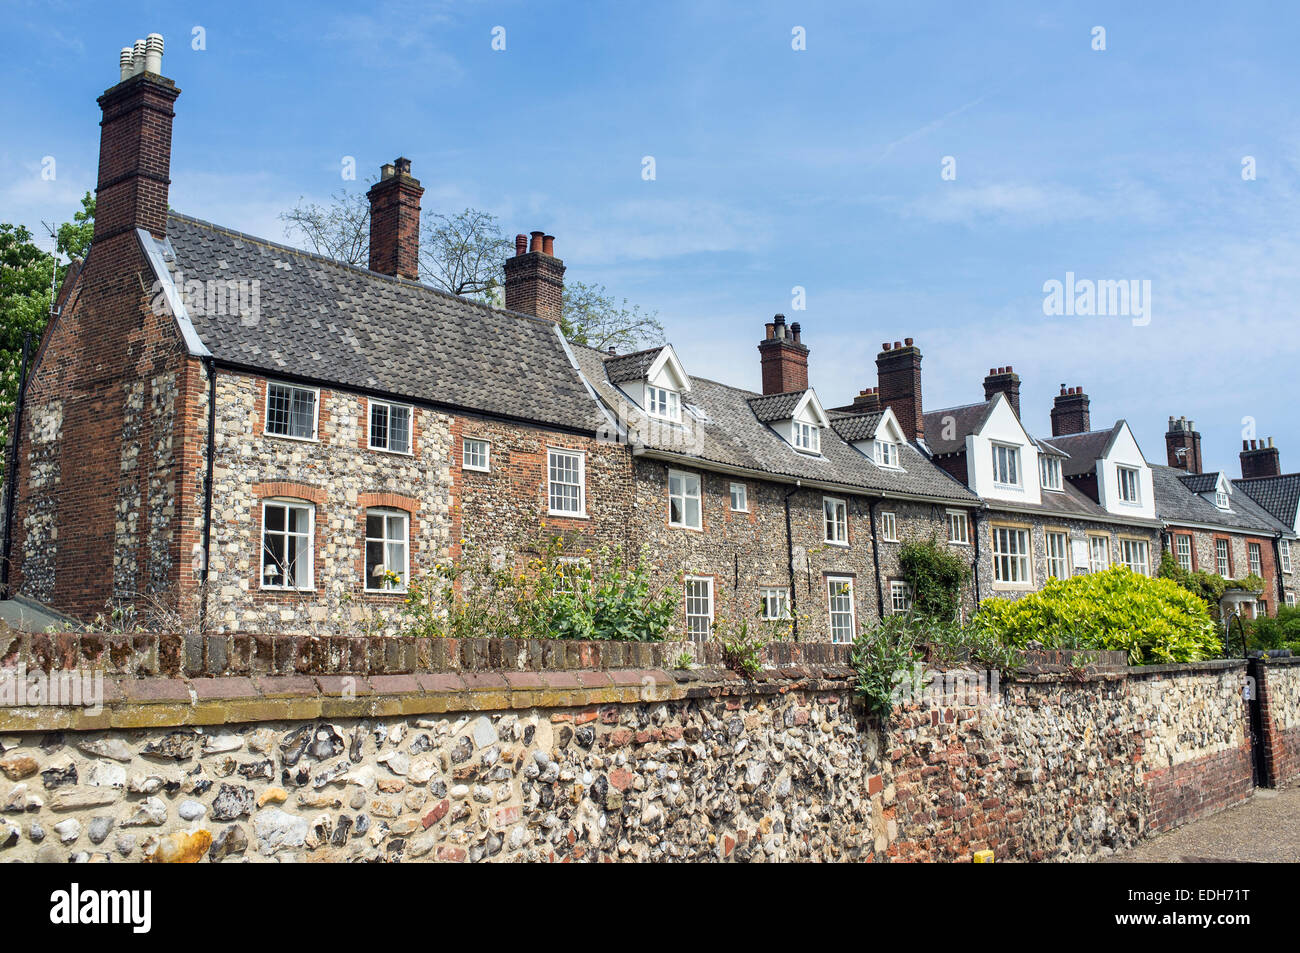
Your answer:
<point x="720" y="427"/>
<point x="1200" y="482"/>
<point x="966" y="420"/>
<point x="351" y="327"/>
<point x="1084" y="449"/>
<point x="1047" y="448"/>
<point x="1068" y="502"/>
<point x="855" y="427"/>
<point x="1177" y="503"/>
<point x="1280" y="495"/>
<point x="634" y="366"/>
<point x="772" y="407"/>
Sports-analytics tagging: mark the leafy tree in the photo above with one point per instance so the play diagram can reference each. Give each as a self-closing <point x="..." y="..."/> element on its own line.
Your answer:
<point x="462" y="253"/>
<point x="591" y="316"/>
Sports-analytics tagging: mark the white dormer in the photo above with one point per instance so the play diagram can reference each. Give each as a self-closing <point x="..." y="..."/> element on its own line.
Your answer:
<point x="660" y="390"/>
<point x="1124" y="483"/>
<point x="884" y="447"/>
<point x="803" y="430"/>
<point x="1221" y="493"/>
<point x="1002" y="459"/>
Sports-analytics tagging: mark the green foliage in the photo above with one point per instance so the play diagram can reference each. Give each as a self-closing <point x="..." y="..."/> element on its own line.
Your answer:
<point x="1280" y="632"/>
<point x="591" y="316"/>
<point x="936" y="575"/>
<point x="742" y="648"/>
<point x="1207" y="586"/>
<point x="1153" y="620"/>
<point x="594" y="597"/>
<point x="684" y="660"/>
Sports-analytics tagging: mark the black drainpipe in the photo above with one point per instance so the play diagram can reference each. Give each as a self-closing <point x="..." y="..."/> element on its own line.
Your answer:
<point x="1277" y="567"/>
<point x="789" y="553"/>
<point x="12" y="475"/>
<point x="975" y="531"/>
<point x="875" y="559"/>
<point x="207" y="492"/>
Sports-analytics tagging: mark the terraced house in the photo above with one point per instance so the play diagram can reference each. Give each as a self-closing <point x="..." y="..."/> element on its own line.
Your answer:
<point x="273" y="441"/>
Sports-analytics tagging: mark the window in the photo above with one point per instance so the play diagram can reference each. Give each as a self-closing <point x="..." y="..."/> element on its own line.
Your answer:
<point x="1290" y="599"/>
<point x="774" y="603"/>
<point x="1058" y="555"/>
<point x="699" y="607"/>
<point x="476" y="454"/>
<point x="390" y="427"/>
<point x="287" y="545"/>
<point x="387" y="566"/>
<point x="958" y="528"/>
<point x="663" y="403"/>
<point x="1011" y="556"/>
<point x="1221" y="499"/>
<point x="900" y="597"/>
<point x="889" y="527"/>
<point x="1256" y="568"/>
<point x="836" y="513"/>
<point x="1133" y="554"/>
<point x="806" y="437"/>
<point x="839" y="591"/>
<point x="567" y="476"/>
<point x="684" y="499"/>
<point x="1128" y="484"/>
<point x="291" y="411"/>
<point x="1049" y="472"/>
<point x="886" y="453"/>
<point x="1098" y="553"/>
<point x="739" y="498"/>
<point x="1222" y="560"/>
<point x="1006" y="465"/>
<point x="1183" y="551"/>
<point x="1284" y="550"/>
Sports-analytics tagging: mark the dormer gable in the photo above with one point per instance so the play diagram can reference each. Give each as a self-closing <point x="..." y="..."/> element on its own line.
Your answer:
<point x="877" y="435"/>
<point x="797" y="416"/>
<point x="654" y="379"/>
<point x="1001" y="456"/>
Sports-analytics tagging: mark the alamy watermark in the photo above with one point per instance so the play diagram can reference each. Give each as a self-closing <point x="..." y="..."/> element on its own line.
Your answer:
<point x="1129" y="298"/>
<point x="954" y="688"/>
<point x="72" y="688"/>
<point x="238" y="297"/>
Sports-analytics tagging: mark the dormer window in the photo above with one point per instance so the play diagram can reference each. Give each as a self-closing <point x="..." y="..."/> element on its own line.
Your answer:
<point x="1049" y="471"/>
<point x="1128" y="484"/>
<point x="1006" y="465"/>
<point x="663" y="403"/>
<point x="886" y="453"/>
<point x="807" y="437"/>
<point x="1221" y="499"/>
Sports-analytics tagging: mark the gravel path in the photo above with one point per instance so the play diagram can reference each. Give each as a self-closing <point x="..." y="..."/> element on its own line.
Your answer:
<point x="1265" y="829"/>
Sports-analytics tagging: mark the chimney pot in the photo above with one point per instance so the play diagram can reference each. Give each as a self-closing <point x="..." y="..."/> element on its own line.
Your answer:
<point x="1000" y="380"/>
<point x="548" y="245"/>
<point x="884" y="346"/>
<point x="521" y="244"/>
<point x="137" y="58"/>
<point x="535" y="279"/>
<point x="1261" y="459"/>
<point x="153" y="53"/>
<point x="897" y="345"/>
<point x="124" y="61"/>
<point x="1070" y="412"/>
<point x="536" y="243"/>
<point x="783" y="358"/>
<point x="907" y="341"/>
<point x="898" y="378"/>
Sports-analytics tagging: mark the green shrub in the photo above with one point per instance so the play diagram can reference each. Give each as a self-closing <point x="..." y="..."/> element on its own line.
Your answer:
<point x="936" y="575"/>
<point x="1153" y="620"/>
<point x="1207" y="586"/>
<point x="1282" y="632"/>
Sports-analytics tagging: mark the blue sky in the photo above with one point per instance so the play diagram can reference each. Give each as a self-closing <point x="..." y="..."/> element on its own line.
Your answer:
<point x="775" y="168"/>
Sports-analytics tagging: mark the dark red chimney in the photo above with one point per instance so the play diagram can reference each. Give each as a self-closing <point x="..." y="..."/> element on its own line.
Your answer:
<point x="784" y="358"/>
<point x="1183" y="445"/>
<point x="898" y="372"/>
<point x="1003" y="380"/>
<point x="1070" y="412"/>
<point x="535" y="278"/>
<point x="135" y="145"/>
<point x="395" y="221"/>
<point x="1259" y="460"/>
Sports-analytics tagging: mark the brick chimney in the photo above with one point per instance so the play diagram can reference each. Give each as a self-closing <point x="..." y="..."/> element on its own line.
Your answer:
<point x="1259" y="460"/>
<point x="784" y="358"/>
<point x="867" y="401"/>
<point x="395" y="221"/>
<point x="1070" y="412"/>
<point x="1003" y="380"/>
<point x="135" y="145"/>
<point x="898" y="372"/>
<point x="1183" y="445"/>
<point x="535" y="278"/>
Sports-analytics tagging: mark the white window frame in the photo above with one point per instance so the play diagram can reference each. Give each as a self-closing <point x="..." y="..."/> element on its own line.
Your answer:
<point x="835" y="521"/>
<point x="958" y="518"/>
<point x="887" y="454"/>
<point x="744" y="498"/>
<point x="1049" y="472"/>
<point x="309" y="535"/>
<point x="1129" y="482"/>
<point x="1255" y="559"/>
<point x="663" y="403"/>
<point x="552" y="453"/>
<point x="773" y="603"/>
<point x="389" y="407"/>
<point x="685" y="497"/>
<point x="1223" y="557"/>
<point x="1058" y="563"/>
<point x="806" y="437"/>
<point x="1290" y="599"/>
<point x="1006" y="457"/>
<point x="387" y="513"/>
<point x="1095" y="564"/>
<point x="315" y="420"/>
<point x="900" y="597"/>
<point x="486" y="466"/>
<point x="1130" y="550"/>
<point x="1012" y="564"/>
<point x="833" y="614"/>
<point x="889" y="526"/>
<point x="1284" y="554"/>
<point x="1221" y="499"/>
<point x="1184" y="559"/>
<point x="707" y="595"/>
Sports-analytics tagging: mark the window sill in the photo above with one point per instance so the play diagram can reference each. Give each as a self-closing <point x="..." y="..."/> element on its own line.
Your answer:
<point x="469" y="469"/>
<point x="560" y="514"/>
<point x="395" y="453"/>
<point x="285" y="436"/>
<point x="834" y="542"/>
<point x="693" y="529"/>
<point x="287" y="590"/>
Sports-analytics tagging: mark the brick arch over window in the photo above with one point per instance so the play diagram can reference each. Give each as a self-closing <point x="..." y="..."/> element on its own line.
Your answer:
<point x="287" y="490"/>
<point x="392" y="501"/>
<point x="293" y="491"/>
<point x="388" y="501"/>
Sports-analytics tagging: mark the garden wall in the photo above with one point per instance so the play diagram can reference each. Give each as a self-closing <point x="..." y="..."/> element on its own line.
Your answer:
<point x="572" y="751"/>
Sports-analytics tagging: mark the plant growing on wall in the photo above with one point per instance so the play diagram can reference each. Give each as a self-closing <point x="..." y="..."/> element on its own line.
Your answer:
<point x="936" y="576"/>
<point x="1207" y="586"/>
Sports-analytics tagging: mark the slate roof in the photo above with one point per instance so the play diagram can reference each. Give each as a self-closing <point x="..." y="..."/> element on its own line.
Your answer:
<point x="1177" y="503"/>
<point x="855" y="427"/>
<point x="351" y="327"/>
<point x="720" y="427"/>
<point x="1280" y="495"/>
<point x="1200" y="482"/>
<point x="967" y="419"/>
<point x="632" y="367"/>
<point x="772" y="407"/>
<point x="1084" y="449"/>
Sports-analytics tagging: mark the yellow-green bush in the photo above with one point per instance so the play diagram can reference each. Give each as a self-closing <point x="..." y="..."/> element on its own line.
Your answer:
<point x="1153" y="620"/>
